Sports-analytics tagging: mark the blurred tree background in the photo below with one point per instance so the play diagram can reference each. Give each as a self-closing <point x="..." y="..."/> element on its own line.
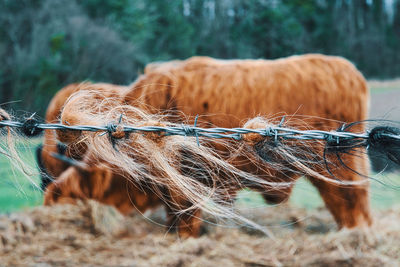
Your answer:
<point x="46" y="44"/>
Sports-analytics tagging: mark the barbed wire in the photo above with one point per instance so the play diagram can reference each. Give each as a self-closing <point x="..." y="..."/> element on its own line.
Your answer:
<point x="32" y="127"/>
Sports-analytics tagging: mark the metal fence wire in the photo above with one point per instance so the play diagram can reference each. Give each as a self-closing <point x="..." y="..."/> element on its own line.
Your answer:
<point x="32" y="127"/>
<point x="383" y="139"/>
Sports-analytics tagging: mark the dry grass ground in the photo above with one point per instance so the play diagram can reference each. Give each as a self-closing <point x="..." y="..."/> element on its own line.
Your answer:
<point x="94" y="235"/>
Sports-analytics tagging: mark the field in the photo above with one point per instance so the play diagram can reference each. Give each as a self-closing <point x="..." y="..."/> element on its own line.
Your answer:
<point x="305" y="233"/>
<point x="17" y="192"/>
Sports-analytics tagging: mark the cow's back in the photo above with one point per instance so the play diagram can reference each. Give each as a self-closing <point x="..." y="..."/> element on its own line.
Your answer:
<point x="231" y="91"/>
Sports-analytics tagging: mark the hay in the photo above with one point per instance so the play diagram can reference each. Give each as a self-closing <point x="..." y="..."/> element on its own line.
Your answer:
<point x="91" y="234"/>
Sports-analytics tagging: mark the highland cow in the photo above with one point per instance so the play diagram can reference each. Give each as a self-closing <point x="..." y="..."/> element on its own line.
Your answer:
<point x="226" y="93"/>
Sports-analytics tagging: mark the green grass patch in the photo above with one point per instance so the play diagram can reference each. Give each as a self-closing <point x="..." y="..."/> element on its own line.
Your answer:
<point x="305" y="195"/>
<point x="16" y="191"/>
<point x="384" y="86"/>
<point x="379" y="90"/>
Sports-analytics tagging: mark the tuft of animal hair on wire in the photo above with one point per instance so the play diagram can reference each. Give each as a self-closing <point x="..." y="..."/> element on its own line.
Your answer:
<point x="8" y="148"/>
<point x="382" y="141"/>
<point x="385" y="139"/>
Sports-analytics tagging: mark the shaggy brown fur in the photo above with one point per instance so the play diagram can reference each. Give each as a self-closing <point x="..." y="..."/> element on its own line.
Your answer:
<point x="91" y="180"/>
<point x="50" y="165"/>
<point x="100" y="183"/>
<point x="226" y="93"/>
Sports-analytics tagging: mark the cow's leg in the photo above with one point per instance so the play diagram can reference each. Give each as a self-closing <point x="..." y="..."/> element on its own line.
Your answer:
<point x="188" y="223"/>
<point x="349" y="204"/>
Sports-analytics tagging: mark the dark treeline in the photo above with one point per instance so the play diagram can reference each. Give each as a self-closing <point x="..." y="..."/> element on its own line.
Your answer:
<point x="45" y="44"/>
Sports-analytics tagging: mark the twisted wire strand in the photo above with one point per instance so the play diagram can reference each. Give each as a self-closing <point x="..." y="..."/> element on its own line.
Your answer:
<point x="32" y="125"/>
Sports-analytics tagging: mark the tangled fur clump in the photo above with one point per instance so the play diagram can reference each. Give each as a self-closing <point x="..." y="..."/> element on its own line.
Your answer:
<point x="50" y="166"/>
<point x="9" y="150"/>
<point x="226" y="93"/>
